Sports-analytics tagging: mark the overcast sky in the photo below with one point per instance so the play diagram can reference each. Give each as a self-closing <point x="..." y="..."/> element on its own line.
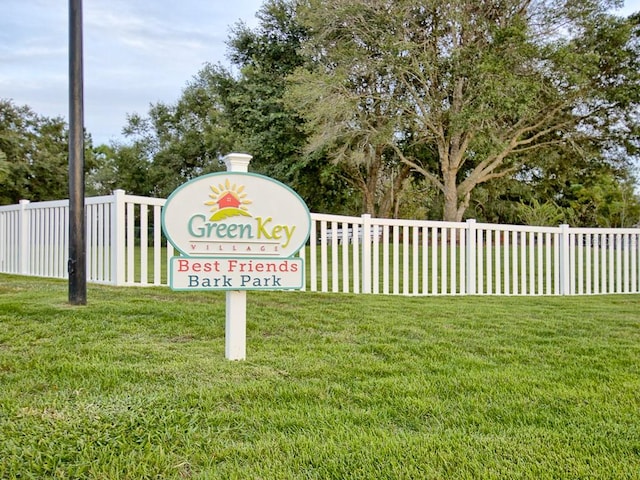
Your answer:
<point x="136" y="52"/>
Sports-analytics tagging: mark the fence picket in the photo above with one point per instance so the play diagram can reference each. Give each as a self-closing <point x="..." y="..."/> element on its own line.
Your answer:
<point x="415" y="254"/>
<point x="157" y="245"/>
<point x="375" y="261"/>
<point x="634" y="263"/>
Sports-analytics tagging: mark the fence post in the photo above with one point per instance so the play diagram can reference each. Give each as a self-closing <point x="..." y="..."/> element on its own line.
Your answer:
<point x="118" y="227"/>
<point x="565" y="273"/>
<point x="24" y="244"/>
<point x="366" y="253"/>
<point x="471" y="256"/>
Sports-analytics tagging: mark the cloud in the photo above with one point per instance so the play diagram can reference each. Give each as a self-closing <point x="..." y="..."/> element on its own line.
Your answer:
<point x="138" y="53"/>
<point x="143" y="28"/>
<point x="135" y="53"/>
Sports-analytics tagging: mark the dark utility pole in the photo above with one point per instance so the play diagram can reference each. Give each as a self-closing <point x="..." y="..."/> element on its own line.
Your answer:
<point x="77" y="246"/>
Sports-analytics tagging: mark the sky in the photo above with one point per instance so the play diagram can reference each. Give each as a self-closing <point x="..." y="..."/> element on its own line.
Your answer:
<point x="136" y="53"/>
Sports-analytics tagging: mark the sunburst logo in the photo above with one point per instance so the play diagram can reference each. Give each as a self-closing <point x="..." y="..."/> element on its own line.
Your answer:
<point x="228" y="201"/>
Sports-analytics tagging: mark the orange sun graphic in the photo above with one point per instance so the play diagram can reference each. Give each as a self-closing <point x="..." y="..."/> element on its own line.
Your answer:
<point x="228" y="201"/>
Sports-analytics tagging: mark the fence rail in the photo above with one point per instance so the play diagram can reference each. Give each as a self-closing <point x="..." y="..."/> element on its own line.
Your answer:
<point x="125" y="246"/>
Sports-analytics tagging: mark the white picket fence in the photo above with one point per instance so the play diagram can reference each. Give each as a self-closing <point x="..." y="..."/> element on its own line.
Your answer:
<point x="125" y="246"/>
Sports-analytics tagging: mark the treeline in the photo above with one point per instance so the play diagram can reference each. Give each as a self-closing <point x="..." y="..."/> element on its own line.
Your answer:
<point x="510" y="111"/>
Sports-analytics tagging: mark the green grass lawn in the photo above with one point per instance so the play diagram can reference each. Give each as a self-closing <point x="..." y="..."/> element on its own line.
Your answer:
<point x="135" y="385"/>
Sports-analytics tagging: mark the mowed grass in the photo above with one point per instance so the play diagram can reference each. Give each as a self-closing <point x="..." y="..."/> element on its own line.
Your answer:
<point x="135" y="385"/>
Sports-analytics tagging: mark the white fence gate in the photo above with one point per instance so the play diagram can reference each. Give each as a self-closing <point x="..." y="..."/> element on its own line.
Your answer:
<point x="125" y="246"/>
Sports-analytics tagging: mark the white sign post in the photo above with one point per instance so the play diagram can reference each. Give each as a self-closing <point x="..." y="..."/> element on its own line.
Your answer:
<point x="235" y="326"/>
<point x="236" y="231"/>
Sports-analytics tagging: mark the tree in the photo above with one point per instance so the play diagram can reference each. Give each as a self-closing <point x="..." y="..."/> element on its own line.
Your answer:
<point x="262" y="123"/>
<point x="120" y="166"/>
<point x="354" y="131"/>
<point x="265" y="55"/>
<point x="34" y="155"/>
<point x="170" y="146"/>
<point x="221" y="112"/>
<point x="481" y="84"/>
<point x="350" y="112"/>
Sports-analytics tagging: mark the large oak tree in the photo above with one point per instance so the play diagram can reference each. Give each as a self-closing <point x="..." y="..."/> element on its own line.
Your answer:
<point x="471" y="90"/>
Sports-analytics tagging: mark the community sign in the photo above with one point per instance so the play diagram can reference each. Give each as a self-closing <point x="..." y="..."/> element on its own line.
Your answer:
<point x="236" y="231"/>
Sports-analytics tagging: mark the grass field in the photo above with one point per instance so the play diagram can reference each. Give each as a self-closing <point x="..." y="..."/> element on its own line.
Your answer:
<point x="135" y="385"/>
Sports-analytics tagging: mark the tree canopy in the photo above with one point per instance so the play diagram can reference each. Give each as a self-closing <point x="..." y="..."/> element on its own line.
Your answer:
<point x="33" y="155"/>
<point x="511" y="111"/>
<point x="471" y="91"/>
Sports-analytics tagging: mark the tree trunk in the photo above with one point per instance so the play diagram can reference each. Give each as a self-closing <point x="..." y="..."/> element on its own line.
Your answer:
<point x="451" y="211"/>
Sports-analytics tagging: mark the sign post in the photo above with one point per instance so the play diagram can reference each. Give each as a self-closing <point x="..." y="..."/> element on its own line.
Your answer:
<point x="235" y="326"/>
<point x="236" y="231"/>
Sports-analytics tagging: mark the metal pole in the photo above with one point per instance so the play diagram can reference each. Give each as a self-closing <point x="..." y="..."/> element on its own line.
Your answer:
<point x="77" y="248"/>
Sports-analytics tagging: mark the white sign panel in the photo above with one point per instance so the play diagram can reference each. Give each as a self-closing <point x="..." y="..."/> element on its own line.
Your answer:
<point x="231" y="214"/>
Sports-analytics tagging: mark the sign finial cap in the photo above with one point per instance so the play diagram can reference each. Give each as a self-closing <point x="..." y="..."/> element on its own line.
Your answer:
<point x="237" y="162"/>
